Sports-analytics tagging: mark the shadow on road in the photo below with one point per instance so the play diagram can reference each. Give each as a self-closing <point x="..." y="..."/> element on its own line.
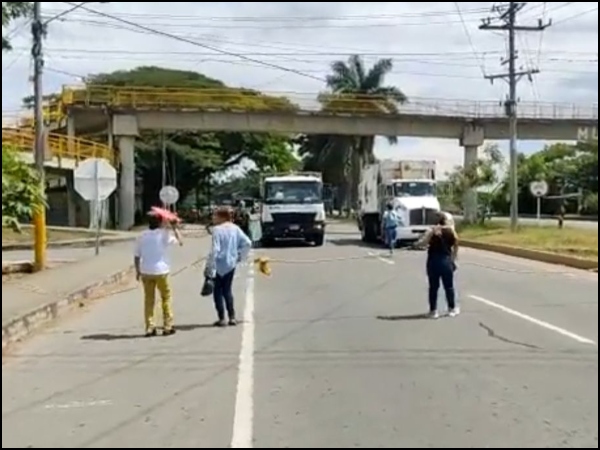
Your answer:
<point x="195" y="327"/>
<point x="113" y="337"/>
<point x="105" y="337"/>
<point x="407" y="318"/>
<point x="343" y="242"/>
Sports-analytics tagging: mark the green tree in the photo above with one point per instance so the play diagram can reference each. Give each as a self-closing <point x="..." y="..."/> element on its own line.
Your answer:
<point x="567" y="168"/>
<point x="10" y="12"/>
<point x="352" y="87"/>
<point x="21" y="191"/>
<point x="194" y="158"/>
<point x="591" y="205"/>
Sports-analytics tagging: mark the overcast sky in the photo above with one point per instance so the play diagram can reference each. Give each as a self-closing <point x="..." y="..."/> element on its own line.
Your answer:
<point x="438" y="52"/>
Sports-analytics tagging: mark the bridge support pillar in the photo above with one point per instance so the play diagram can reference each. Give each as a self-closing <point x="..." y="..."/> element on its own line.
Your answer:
<point x="126" y="130"/>
<point x="72" y="198"/>
<point x="473" y="138"/>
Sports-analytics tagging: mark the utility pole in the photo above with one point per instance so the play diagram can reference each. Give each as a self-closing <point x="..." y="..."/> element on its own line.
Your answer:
<point x="39" y="218"/>
<point x="507" y="21"/>
<point x="164" y="155"/>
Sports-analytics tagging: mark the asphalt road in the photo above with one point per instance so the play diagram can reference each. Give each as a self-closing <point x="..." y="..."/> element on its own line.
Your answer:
<point x="333" y="354"/>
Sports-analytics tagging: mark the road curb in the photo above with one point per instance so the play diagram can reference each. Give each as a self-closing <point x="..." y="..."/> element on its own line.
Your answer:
<point x="11" y="268"/>
<point x="19" y="328"/>
<point x="534" y="255"/>
<point x="76" y="243"/>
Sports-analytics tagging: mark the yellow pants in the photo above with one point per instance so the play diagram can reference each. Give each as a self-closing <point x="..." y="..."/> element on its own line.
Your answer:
<point x="160" y="283"/>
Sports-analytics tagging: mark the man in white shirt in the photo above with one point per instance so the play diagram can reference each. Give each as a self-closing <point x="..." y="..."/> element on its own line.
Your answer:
<point x="153" y="267"/>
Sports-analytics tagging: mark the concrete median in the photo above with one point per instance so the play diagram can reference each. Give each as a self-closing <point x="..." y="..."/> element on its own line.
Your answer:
<point x="535" y="255"/>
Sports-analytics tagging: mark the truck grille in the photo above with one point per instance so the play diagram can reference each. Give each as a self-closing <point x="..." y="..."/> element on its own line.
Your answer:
<point x="423" y="216"/>
<point x="294" y="218"/>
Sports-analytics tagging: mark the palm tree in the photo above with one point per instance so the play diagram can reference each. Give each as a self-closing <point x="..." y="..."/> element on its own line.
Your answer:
<point x="354" y="88"/>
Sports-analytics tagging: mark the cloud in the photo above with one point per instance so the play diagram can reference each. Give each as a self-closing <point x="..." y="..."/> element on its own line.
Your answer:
<point x="432" y="52"/>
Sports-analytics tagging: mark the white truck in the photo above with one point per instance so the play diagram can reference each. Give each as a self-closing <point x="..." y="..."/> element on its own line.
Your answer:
<point x="293" y="208"/>
<point x="410" y="186"/>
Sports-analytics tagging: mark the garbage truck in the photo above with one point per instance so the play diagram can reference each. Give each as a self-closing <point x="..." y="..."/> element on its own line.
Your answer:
<point x="410" y="186"/>
<point x="293" y="208"/>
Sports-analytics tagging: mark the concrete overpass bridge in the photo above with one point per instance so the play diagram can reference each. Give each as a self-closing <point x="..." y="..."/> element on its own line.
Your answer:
<point x="63" y="155"/>
<point x="123" y="113"/>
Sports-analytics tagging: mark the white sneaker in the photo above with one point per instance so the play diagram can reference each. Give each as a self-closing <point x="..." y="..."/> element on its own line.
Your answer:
<point x="455" y="312"/>
<point x="434" y="315"/>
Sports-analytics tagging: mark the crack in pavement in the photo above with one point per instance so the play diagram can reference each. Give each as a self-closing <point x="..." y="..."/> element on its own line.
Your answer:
<point x="492" y="334"/>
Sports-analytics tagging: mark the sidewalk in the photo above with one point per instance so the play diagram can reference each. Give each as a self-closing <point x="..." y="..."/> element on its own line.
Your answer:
<point x="36" y="299"/>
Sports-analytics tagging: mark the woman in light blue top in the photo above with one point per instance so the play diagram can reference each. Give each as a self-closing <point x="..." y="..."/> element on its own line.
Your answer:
<point x="391" y="221"/>
<point x="230" y="246"/>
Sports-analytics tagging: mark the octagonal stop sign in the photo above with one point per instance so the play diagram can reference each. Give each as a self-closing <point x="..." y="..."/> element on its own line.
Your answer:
<point x="95" y="179"/>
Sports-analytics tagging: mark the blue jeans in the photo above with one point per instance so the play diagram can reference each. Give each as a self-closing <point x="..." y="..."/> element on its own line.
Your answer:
<point x="391" y="236"/>
<point x="440" y="271"/>
<point x="223" y="296"/>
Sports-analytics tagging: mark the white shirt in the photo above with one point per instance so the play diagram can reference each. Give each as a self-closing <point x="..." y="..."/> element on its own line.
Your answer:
<point x="152" y="249"/>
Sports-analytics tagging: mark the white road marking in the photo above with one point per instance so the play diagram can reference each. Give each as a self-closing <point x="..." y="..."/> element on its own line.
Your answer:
<point x="381" y="258"/>
<point x="533" y="320"/>
<point x="80" y="405"/>
<point x="243" y="422"/>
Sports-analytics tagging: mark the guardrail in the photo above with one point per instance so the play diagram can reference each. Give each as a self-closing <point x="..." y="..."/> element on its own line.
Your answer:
<point x="59" y="146"/>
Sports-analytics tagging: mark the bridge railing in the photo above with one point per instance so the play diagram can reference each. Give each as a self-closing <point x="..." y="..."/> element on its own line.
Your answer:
<point x="247" y="100"/>
<point x="252" y="101"/>
<point x="59" y="146"/>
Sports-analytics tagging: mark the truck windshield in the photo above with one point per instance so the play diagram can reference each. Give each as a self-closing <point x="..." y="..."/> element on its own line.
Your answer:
<point x="293" y="192"/>
<point x="415" y="189"/>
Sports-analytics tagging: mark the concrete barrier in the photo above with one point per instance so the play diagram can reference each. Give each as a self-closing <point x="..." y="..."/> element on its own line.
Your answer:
<point x="534" y="255"/>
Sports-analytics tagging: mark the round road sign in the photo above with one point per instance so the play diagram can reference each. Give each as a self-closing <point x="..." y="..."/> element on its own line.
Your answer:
<point x="95" y="179"/>
<point x="539" y="188"/>
<point x="169" y="195"/>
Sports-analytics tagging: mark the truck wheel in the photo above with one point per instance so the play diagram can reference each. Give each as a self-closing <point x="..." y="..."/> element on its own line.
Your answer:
<point x="371" y="233"/>
<point x="320" y="241"/>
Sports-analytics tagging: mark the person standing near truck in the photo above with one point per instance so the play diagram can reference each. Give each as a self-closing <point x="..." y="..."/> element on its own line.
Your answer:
<point x="391" y="222"/>
<point x="442" y="251"/>
<point x="230" y="247"/>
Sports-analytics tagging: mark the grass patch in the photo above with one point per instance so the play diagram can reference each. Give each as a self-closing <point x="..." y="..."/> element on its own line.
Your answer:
<point x="9" y="236"/>
<point x="581" y="243"/>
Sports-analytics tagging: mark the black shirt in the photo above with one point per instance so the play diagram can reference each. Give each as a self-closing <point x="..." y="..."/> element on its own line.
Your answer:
<point x="442" y="242"/>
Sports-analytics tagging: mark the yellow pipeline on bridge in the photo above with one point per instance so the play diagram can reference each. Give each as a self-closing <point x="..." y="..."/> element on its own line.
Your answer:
<point x="59" y="145"/>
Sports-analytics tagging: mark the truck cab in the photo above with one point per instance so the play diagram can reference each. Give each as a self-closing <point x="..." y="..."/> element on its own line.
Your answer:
<point x="293" y="208"/>
<point x="410" y="187"/>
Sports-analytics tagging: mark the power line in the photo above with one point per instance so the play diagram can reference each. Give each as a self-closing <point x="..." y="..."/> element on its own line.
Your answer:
<point x="469" y="37"/>
<point x="577" y="16"/>
<point x="198" y="44"/>
<point x="463" y="55"/>
<point x="281" y="26"/>
<point x="271" y="44"/>
<point x="295" y="18"/>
